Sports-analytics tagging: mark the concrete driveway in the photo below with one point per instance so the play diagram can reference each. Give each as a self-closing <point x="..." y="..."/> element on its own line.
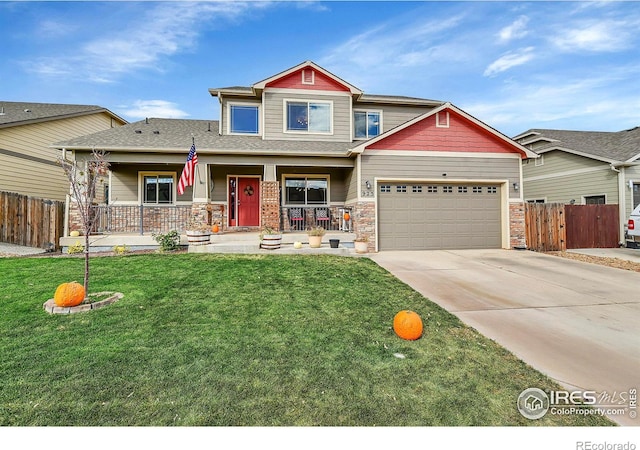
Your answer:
<point x="576" y="322"/>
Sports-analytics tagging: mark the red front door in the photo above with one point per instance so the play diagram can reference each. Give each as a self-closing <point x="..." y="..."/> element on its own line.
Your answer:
<point x="244" y="202"/>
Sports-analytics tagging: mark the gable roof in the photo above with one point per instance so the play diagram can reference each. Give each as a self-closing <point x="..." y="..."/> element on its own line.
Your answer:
<point x="617" y="147"/>
<point x="255" y="89"/>
<point x="351" y="88"/>
<point x="22" y="113"/>
<point x="525" y="152"/>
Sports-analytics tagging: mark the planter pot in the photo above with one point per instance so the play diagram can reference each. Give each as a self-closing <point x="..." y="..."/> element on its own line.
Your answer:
<point x="198" y="237"/>
<point x="334" y="243"/>
<point x="271" y="241"/>
<point x="361" y="247"/>
<point x="315" y="241"/>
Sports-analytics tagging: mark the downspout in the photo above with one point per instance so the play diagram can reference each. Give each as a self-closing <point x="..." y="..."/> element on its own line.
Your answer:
<point x="622" y="203"/>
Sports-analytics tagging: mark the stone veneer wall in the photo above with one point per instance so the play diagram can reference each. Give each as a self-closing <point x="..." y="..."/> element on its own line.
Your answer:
<point x="270" y="204"/>
<point x="517" y="226"/>
<point x="364" y="222"/>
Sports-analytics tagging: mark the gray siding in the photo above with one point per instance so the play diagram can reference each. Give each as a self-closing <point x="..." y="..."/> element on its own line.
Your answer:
<point x="273" y="110"/>
<point x="432" y="167"/>
<point x="560" y="183"/>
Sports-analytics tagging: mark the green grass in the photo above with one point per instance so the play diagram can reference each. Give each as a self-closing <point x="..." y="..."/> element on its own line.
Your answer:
<point x="221" y="340"/>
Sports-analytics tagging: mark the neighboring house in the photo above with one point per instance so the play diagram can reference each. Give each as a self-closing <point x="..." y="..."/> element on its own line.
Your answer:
<point x="303" y="147"/>
<point x="27" y="162"/>
<point x="583" y="167"/>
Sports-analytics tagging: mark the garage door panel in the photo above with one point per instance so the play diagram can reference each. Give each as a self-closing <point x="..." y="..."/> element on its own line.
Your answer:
<point x="430" y="216"/>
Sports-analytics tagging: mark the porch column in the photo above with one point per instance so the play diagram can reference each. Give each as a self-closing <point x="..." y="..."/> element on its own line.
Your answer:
<point x="201" y="184"/>
<point x="270" y="204"/>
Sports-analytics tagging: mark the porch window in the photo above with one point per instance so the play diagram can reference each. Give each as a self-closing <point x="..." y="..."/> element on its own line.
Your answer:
<point x="307" y="190"/>
<point x="158" y="189"/>
<point x="310" y="117"/>
<point x="366" y="124"/>
<point x="243" y="119"/>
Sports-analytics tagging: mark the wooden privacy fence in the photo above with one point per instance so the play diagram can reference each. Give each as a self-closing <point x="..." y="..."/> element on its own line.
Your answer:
<point x="558" y="227"/>
<point x="30" y="221"/>
<point x="545" y="227"/>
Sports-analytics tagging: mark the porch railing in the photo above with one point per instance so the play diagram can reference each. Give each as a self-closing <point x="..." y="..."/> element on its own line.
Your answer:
<point x="331" y="218"/>
<point x="140" y="218"/>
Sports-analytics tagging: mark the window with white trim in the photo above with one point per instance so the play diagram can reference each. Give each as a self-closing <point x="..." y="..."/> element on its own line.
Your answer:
<point x="539" y="161"/>
<point x="308" y="116"/>
<point x="595" y="200"/>
<point x="243" y="119"/>
<point x="157" y="188"/>
<point x="366" y="124"/>
<point x="306" y="190"/>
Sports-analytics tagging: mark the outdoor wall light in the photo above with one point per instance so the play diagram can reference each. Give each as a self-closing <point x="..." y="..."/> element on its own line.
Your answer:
<point x="367" y="184"/>
<point x="516" y="186"/>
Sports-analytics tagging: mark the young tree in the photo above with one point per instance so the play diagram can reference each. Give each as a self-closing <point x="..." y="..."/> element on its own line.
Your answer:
<point x="83" y="177"/>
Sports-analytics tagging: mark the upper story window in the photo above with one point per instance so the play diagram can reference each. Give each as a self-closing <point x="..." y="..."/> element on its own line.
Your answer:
<point x="158" y="188"/>
<point x="243" y="119"/>
<point x="366" y="124"/>
<point x="308" y="116"/>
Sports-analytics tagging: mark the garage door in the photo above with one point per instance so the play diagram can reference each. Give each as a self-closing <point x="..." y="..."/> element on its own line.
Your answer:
<point x="438" y="216"/>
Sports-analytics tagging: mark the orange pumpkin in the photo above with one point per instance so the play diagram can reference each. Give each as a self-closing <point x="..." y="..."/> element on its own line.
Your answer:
<point x="69" y="294"/>
<point x="408" y="325"/>
<point x="347" y="216"/>
<point x="215" y="228"/>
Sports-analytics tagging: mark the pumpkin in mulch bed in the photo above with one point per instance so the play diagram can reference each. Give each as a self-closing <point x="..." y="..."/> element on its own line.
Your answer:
<point x="69" y="294"/>
<point x="407" y="325"/>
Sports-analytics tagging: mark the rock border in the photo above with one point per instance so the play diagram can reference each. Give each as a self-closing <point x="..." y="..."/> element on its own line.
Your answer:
<point x="51" y="307"/>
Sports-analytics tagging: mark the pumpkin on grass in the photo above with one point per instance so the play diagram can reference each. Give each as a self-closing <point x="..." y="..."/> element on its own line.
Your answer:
<point x="69" y="294"/>
<point x="408" y="325"/>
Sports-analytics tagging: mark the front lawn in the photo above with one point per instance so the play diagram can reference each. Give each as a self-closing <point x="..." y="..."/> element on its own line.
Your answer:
<point x="219" y="340"/>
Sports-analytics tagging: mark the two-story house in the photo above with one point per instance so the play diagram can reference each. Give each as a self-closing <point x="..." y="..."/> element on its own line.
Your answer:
<point x="304" y="147"/>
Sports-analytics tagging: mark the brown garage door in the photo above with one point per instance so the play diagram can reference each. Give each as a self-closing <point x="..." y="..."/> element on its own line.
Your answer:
<point x="438" y="216"/>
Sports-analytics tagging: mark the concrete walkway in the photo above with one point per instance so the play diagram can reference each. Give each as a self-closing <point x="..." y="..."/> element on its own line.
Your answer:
<point x="18" y="250"/>
<point x="576" y="322"/>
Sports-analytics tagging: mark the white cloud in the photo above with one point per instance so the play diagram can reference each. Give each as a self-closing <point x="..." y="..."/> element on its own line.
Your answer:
<point x="599" y="103"/>
<point x="596" y="36"/>
<point x="160" y="31"/>
<point x="517" y="30"/>
<point x="509" y="60"/>
<point x="154" y="108"/>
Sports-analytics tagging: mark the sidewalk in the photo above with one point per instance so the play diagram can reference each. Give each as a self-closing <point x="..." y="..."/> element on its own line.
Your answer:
<point x="18" y="250"/>
<point x="630" y="254"/>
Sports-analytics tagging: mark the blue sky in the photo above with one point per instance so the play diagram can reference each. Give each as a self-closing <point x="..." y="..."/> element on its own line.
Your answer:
<point x="513" y="65"/>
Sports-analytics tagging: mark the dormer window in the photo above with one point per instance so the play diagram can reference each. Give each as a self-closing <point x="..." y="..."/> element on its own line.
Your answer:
<point x="367" y="124"/>
<point x="308" y="117"/>
<point x="308" y="76"/>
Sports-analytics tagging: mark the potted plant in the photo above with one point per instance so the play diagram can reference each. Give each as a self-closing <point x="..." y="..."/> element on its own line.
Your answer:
<point x="361" y="244"/>
<point x="315" y="236"/>
<point x="198" y="233"/>
<point x="270" y="238"/>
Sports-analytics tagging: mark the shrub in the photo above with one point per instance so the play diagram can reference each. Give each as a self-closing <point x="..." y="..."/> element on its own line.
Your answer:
<point x="77" y="247"/>
<point x="169" y="241"/>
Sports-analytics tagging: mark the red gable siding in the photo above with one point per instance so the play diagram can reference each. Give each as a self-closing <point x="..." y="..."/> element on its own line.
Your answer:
<point x="321" y="82"/>
<point x="461" y="136"/>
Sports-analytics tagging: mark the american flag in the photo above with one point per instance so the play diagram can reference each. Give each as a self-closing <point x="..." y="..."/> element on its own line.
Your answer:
<point x="188" y="173"/>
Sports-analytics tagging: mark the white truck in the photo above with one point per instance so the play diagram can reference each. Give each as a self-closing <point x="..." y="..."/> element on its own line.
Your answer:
<point x="633" y="229"/>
